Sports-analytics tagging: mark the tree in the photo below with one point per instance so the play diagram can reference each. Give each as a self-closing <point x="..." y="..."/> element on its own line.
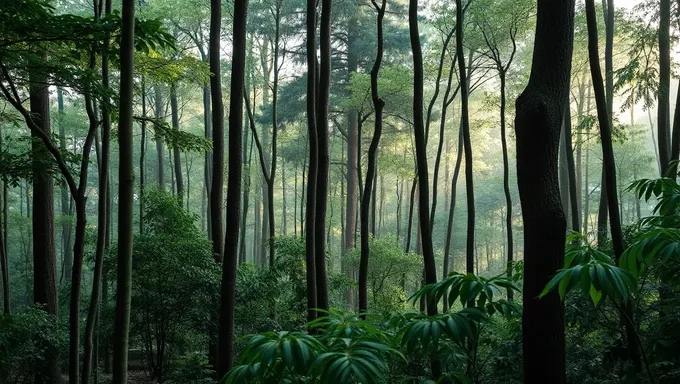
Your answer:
<point x="217" y="129"/>
<point x="540" y="111"/>
<point x="663" y="109"/>
<point x="125" y="196"/>
<point x="378" y="105"/>
<point x="230" y="259"/>
<point x="310" y="206"/>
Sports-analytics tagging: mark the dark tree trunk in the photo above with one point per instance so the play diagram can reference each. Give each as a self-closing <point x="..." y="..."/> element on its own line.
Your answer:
<point x="310" y="208"/>
<point x="217" y="130"/>
<point x="609" y="163"/>
<point x="571" y="167"/>
<point x="227" y="301"/>
<point x="663" y="110"/>
<point x="207" y="160"/>
<point x="564" y="172"/>
<point x="540" y="111"/>
<point x="67" y="250"/>
<point x="142" y="155"/>
<point x="160" y="151"/>
<point x="467" y="145"/>
<point x="378" y="105"/>
<point x="102" y="221"/>
<point x="323" y="93"/>
<point x="177" y="159"/>
<point x="506" y="186"/>
<point x="452" y="210"/>
<point x="125" y="196"/>
<point x="429" y="270"/>
<point x="44" y="253"/>
<point x="409" y="226"/>
<point x="4" y="267"/>
<point x="352" y="142"/>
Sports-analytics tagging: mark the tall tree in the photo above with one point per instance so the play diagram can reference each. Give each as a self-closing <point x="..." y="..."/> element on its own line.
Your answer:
<point x="323" y="160"/>
<point x="217" y="129"/>
<point x="467" y="145"/>
<point x="663" y="109"/>
<point x="177" y="159"/>
<point x="125" y="196"/>
<point x="378" y="106"/>
<point x="230" y="259"/>
<point x="604" y="121"/>
<point x="538" y="121"/>
<point x="310" y="205"/>
<point x="160" y="151"/>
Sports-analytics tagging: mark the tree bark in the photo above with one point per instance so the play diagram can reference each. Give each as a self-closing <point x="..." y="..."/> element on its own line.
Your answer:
<point x="160" y="151"/>
<point x="66" y="248"/>
<point x="540" y="111"/>
<point x="663" y="110"/>
<point x="352" y="142"/>
<point x="452" y="210"/>
<point x="217" y="129"/>
<point x="125" y="197"/>
<point x="229" y="265"/>
<point x="378" y="105"/>
<point x="177" y="159"/>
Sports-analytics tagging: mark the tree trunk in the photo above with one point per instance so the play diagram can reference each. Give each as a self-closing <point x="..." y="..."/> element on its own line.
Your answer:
<point x="540" y="112"/>
<point x="4" y="267"/>
<point x="160" y="151"/>
<point x="352" y="141"/>
<point x="452" y="210"/>
<point x="506" y="186"/>
<point x="125" y="196"/>
<point x="564" y="173"/>
<point x="465" y="126"/>
<point x="573" y="187"/>
<point x="663" y="110"/>
<point x="142" y="154"/>
<point x="310" y="207"/>
<point x="378" y="105"/>
<point x="177" y="159"/>
<point x="322" y="155"/>
<point x="609" y="163"/>
<point x="44" y="253"/>
<point x="207" y="160"/>
<point x="67" y="250"/>
<point x="227" y="300"/>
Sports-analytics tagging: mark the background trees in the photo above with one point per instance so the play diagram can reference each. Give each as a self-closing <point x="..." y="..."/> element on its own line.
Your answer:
<point x="324" y="140"/>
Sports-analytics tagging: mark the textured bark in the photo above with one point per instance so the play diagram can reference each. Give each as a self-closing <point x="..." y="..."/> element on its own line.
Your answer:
<point x="44" y="252"/>
<point x="467" y="145"/>
<point x="229" y="264"/>
<point x="540" y="111"/>
<point x="125" y="197"/>
<point x="66" y="247"/>
<point x="352" y="142"/>
<point x="378" y="105"/>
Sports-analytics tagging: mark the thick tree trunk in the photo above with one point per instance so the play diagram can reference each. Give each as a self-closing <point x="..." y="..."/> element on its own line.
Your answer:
<point x="217" y="116"/>
<point x="540" y="112"/>
<point x="44" y="252"/>
<point x="125" y="197"/>
<point x="378" y="105"/>
<point x="227" y="300"/>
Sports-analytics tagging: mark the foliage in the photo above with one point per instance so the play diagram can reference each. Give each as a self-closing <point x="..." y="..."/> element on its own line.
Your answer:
<point x="24" y="339"/>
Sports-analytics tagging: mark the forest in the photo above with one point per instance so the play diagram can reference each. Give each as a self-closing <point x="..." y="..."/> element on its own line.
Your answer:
<point x="339" y="191"/>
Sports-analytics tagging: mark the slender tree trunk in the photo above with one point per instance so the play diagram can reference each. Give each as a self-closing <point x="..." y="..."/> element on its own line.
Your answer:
<point x="284" y="208"/>
<point x="564" y="173"/>
<point x="540" y="112"/>
<point x="160" y="151"/>
<point x="125" y="196"/>
<point x="573" y="187"/>
<point x="227" y="301"/>
<point x="102" y="221"/>
<point x="177" y="160"/>
<point x="4" y="267"/>
<point x="506" y="185"/>
<point x="465" y="126"/>
<point x="310" y="212"/>
<point x="609" y="163"/>
<point x="352" y="140"/>
<point x="323" y="161"/>
<point x="142" y="155"/>
<point x="452" y="210"/>
<point x="378" y="105"/>
<point x="409" y="226"/>
<point x="207" y="161"/>
<point x="66" y="248"/>
<point x="663" y="110"/>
